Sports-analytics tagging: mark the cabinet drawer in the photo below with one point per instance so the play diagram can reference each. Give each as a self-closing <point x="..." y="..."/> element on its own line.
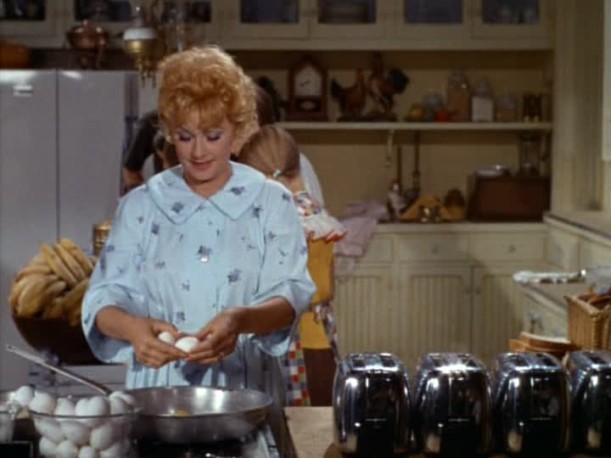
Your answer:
<point x="379" y="250"/>
<point x="433" y="248"/>
<point x="506" y="247"/>
<point x="563" y="250"/>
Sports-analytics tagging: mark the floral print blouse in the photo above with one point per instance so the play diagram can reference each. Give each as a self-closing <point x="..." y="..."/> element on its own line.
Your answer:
<point x="176" y="256"/>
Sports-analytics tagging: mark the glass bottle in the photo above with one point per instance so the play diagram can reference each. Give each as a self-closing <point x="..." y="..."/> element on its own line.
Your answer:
<point x="458" y="96"/>
<point x="482" y="103"/>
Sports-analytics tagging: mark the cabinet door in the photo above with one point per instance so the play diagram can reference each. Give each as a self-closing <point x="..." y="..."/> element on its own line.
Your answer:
<point x="512" y="19"/>
<point x="34" y="23"/>
<point x="497" y="311"/>
<point x="202" y="18"/>
<point x="28" y="190"/>
<point x="266" y="18"/>
<point x="430" y="22"/>
<point x="350" y="19"/>
<point x="364" y="310"/>
<point x="433" y="311"/>
<point x="563" y="250"/>
<point x="90" y="162"/>
<point x="594" y="254"/>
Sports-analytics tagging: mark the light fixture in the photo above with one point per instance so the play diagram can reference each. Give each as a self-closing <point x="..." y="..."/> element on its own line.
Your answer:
<point x="156" y="29"/>
<point x="144" y="42"/>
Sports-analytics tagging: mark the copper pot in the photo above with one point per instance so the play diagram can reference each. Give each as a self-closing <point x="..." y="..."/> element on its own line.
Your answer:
<point x="90" y="41"/>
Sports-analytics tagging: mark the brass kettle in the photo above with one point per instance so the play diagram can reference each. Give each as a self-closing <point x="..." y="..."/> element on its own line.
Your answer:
<point x="89" y="41"/>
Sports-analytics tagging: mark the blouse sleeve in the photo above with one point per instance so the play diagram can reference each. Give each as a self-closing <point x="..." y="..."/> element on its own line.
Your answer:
<point x="115" y="279"/>
<point x="284" y="271"/>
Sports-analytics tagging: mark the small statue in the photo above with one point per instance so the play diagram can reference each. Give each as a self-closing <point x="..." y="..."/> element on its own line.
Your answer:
<point x="351" y="99"/>
<point x="382" y="86"/>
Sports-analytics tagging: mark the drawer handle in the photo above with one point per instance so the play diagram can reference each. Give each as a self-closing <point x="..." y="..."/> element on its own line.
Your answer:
<point x="512" y="248"/>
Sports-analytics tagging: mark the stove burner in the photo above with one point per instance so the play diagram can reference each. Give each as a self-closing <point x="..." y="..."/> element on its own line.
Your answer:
<point x="257" y="445"/>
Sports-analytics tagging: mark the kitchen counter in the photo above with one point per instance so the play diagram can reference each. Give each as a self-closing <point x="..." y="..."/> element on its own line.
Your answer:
<point x="553" y="293"/>
<point x="311" y="430"/>
<point x="596" y="223"/>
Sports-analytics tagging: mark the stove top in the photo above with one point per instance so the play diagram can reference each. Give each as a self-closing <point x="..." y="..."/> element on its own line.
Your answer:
<point x="260" y="444"/>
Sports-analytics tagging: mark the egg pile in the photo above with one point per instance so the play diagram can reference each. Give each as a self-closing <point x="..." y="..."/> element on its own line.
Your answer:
<point x="84" y="427"/>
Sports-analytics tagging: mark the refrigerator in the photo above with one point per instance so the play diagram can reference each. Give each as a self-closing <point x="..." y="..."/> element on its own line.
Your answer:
<point x="62" y="138"/>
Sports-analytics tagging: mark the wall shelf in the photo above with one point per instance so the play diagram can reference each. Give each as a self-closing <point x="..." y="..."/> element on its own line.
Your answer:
<point x="421" y="126"/>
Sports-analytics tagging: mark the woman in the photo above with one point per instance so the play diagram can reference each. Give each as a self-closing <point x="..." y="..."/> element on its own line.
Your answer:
<point x="208" y="248"/>
<point x="310" y="367"/>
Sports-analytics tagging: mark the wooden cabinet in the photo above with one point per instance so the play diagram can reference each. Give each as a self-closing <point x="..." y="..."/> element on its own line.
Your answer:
<point x="319" y="24"/>
<point x="434" y="310"/>
<point x="474" y="24"/>
<point x="445" y="289"/>
<point x="45" y="29"/>
<point x="497" y="309"/>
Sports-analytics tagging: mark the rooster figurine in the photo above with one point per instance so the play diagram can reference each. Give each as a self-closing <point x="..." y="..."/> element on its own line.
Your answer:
<point x="351" y="99"/>
<point x="382" y="86"/>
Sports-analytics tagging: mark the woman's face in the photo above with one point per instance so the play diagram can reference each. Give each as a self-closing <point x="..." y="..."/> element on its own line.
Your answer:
<point x="204" y="155"/>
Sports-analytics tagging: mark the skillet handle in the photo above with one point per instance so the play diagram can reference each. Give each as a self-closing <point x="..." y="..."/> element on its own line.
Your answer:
<point x="65" y="372"/>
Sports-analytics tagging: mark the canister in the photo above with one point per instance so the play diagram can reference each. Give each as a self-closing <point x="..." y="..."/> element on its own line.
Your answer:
<point x="100" y="234"/>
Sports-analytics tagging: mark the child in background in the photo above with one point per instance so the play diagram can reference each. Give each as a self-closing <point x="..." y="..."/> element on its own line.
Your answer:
<point x="313" y="354"/>
<point x="165" y="151"/>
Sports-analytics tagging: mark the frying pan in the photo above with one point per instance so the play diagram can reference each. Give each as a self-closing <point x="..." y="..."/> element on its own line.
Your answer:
<point x="183" y="414"/>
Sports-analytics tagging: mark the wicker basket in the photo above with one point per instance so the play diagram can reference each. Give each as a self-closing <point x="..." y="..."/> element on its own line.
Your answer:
<point x="588" y="325"/>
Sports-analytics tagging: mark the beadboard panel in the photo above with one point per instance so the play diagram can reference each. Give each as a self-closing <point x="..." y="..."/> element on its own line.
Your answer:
<point x="434" y="311"/>
<point x="363" y="307"/>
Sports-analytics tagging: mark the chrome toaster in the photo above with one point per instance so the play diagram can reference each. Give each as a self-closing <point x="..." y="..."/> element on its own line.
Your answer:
<point x="371" y="405"/>
<point x="590" y="373"/>
<point x="531" y="405"/>
<point x="452" y="406"/>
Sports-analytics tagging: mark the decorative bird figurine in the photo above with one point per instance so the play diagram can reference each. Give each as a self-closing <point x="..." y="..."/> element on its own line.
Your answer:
<point x="382" y="86"/>
<point x="351" y="99"/>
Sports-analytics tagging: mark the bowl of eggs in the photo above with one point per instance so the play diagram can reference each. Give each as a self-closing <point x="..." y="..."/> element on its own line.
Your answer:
<point x="95" y="426"/>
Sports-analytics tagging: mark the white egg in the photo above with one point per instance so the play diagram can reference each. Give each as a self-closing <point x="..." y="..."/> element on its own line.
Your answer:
<point x="50" y="429"/>
<point x="166" y="337"/>
<point x="119" y="448"/>
<point x="64" y="406"/>
<point x="103" y="436"/>
<point x="66" y="449"/>
<point x="42" y="402"/>
<point x="125" y="396"/>
<point x="24" y="395"/>
<point x="98" y="405"/>
<point x="76" y="431"/>
<point x="186" y="343"/>
<point x="118" y="405"/>
<point x="46" y="447"/>
<point x="81" y="407"/>
<point x="88" y="452"/>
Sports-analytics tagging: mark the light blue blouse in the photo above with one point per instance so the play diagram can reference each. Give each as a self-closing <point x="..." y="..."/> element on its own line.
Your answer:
<point x="177" y="257"/>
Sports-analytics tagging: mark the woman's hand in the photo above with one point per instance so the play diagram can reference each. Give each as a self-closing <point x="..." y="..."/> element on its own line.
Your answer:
<point x="150" y="351"/>
<point x="142" y="334"/>
<point x="218" y="338"/>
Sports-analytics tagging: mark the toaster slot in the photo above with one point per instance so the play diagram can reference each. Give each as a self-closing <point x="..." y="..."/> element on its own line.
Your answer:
<point x="459" y="439"/>
<point x="540" y="437"/>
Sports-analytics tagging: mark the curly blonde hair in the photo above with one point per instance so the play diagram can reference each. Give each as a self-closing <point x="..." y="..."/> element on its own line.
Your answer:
<point x="206" y="80"/>
<point x="274" y="152"/>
